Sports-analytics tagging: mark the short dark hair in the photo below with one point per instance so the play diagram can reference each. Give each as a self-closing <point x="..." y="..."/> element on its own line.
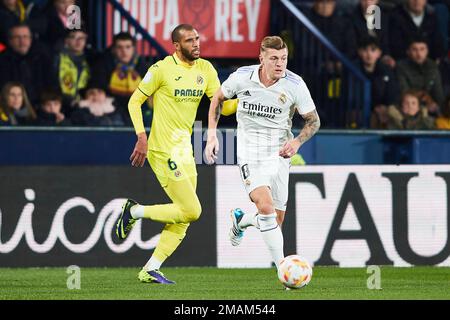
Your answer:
<point x="82" y="28"/>
<point x="69" y="32"/>
<point x="176" y="33"/>
<point x="16" y="26"/>
<point x="417" y="39"/>
<point x="123" y="36"/>
<point x="50" y="94"/>
<point x="369" y="41"/>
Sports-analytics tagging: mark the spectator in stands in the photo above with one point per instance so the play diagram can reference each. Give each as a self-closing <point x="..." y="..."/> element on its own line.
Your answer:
<point x="120" y="71"/>
<point x="365" y="24"/>
<point x="418" y="72"/>
<point x="52" y="23"/>
<point x="338" y="30"/>
<point x="15" y="106"/>
<point x="443" y="121"/>
<point x="411" y="115"/>
<point x="49" y="113"/>
<point x="385" y="89"/>
<point x="25" y="62"/>
<point x="72" y="67"/>
<point x="96" y="109"/>
<point x="322" y="71"/>
<point x="12" y="12"/>
<point x="411" y="20"/>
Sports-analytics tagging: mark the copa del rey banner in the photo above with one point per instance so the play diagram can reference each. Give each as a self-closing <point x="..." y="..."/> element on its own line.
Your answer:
<point x="227" y="28"/>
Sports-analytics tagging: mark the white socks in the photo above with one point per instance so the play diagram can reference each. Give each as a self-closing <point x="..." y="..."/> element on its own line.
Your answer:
<point x="152" y="264"/>
<point x="249" y="219"/>
<point x="137" y="211"/>
<point x="272" y="235"/>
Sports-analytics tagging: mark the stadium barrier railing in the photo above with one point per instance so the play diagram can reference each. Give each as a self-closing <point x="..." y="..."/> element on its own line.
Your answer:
<point x="110" y="17"/>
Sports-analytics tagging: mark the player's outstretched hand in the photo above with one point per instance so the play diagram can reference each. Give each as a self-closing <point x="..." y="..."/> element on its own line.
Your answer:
<point x="140" y="151"/>
<point x="212" y="149"/>
<point x="289" y="148"/>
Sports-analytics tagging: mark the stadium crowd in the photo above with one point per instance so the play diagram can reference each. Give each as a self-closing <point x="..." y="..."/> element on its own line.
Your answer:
<point x="51" y="76"/>
<point x="405" y="55"/>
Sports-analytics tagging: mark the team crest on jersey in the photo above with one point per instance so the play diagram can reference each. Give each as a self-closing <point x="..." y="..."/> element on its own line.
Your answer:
<point x="282" y="98"/>
<point x="177" y="173"/>
<point x="200" y="80"/>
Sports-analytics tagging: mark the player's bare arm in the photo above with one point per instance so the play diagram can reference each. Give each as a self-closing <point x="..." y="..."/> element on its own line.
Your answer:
<point x="215" y="108"/>
<point x="139" y="154"/>
<point x="312" y="125"/>
<point x="140" y="151"/>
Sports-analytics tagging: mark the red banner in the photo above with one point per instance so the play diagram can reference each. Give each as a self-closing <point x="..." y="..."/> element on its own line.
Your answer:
<point x="227" y="28"/>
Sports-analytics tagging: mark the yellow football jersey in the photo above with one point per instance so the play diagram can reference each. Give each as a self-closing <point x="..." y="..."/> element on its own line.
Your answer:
<point x="177" y="89"/>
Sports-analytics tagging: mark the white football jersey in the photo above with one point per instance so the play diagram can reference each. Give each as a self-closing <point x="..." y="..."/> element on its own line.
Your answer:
<point x="264" y="115"/>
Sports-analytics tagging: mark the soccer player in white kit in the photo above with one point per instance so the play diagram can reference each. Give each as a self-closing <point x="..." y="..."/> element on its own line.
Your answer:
<point x="268" y="96"/>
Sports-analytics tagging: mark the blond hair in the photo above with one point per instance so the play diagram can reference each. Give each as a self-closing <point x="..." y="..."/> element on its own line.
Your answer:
<point x="272" y="42"/>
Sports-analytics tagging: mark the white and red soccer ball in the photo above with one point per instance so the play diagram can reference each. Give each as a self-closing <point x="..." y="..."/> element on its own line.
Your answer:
<point x="294" y="272"/>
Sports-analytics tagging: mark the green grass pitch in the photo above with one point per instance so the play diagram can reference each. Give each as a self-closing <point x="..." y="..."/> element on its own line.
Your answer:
<point x="224" y="284"/>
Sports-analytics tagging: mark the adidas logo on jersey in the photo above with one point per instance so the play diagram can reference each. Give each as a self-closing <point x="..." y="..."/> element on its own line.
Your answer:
<point x="247" y="93"/>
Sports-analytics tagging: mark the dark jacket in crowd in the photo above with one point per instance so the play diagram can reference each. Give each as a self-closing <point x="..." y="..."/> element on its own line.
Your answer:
<point x="403" y="30"/>
<point x="338" y="30"/>
<point x="48" y="26"/>
<point x="421" y="77"/>
<point x="7" y="20"/>
<point x="82" y="117"/>
<point x="385" y="87"/>
<point x="357" y="19"/>
<point x="49" y="119"/>
<point x="32" y="70"/>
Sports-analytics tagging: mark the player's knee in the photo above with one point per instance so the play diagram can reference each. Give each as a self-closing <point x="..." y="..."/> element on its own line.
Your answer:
<point x="192" y="211"/>
<point x="265" y="207"/>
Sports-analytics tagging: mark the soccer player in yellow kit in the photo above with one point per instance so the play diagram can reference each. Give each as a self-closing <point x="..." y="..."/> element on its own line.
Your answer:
<point x="177" y="84"/>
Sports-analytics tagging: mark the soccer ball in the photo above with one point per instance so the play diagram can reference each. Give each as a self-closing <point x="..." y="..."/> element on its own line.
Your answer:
<point x="294" y="271"/>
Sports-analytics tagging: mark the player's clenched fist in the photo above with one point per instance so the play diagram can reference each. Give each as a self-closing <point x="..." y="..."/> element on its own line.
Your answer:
<point x="212" y="149"/>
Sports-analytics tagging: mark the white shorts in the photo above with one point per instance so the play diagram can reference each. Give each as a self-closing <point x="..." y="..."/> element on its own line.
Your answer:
<point x="274" y="175"/>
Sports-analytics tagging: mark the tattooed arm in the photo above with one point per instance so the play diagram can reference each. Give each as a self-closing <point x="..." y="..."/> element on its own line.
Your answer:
<point x="312" y="125"/>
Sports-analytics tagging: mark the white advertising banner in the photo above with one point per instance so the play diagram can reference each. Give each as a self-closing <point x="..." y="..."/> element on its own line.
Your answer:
<point x="351" y="216"/>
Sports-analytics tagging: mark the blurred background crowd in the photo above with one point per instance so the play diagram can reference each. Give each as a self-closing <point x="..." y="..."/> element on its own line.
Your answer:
<point x="52" y="76"/>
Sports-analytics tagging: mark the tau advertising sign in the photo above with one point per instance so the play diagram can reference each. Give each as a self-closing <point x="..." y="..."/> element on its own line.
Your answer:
<point x="227" y="28"/>
<point x="351" y="216"/>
